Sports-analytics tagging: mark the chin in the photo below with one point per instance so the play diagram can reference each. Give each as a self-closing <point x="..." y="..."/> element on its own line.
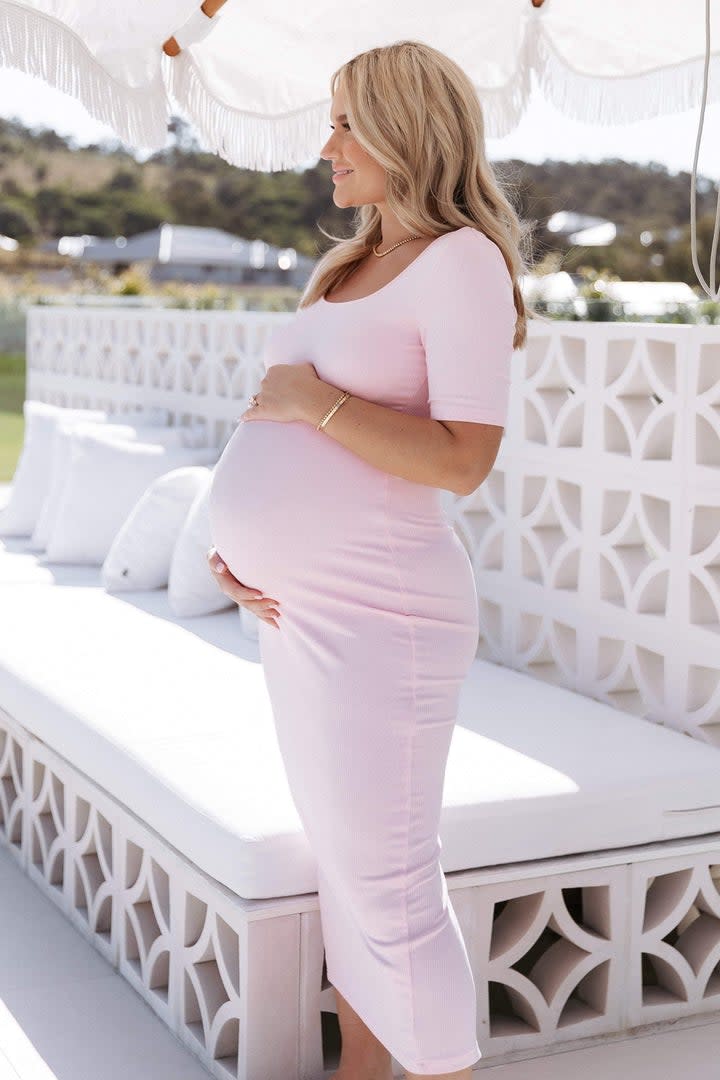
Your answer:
<point x="349" y="201"/>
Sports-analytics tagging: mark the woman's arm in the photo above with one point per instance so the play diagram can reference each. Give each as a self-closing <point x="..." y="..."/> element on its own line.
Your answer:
<point x="453" y="455"/>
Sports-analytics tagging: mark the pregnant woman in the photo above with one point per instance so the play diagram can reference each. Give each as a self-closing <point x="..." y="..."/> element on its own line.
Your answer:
<point x="389" y="384"/>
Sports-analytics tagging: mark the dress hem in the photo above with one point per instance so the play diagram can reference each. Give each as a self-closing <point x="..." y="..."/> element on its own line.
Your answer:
<point x="444" y="1066"/>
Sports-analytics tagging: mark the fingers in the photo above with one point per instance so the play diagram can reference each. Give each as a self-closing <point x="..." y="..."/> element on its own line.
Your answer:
<point x="267" y="610"/>
<point x="267" y="615"/>
<point x="218" y="567"/>
<point x="264" y="607"/>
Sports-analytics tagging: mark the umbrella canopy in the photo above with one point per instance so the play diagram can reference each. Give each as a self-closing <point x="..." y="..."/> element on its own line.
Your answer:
<point x="254" y="78"/>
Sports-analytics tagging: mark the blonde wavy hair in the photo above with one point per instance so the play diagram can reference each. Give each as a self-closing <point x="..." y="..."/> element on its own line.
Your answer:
<point x="418" y="114"/>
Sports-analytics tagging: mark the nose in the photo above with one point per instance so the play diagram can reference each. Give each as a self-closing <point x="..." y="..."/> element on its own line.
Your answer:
<point x="324" y="152"/>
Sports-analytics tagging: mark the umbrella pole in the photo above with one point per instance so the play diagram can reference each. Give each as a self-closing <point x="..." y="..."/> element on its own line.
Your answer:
<point x="208" y="8"/>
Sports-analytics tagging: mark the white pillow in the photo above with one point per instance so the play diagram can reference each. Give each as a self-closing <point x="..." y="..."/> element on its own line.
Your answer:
<point x="61" y="455"/>
<point x="105" y="479"/>
<point x="140" y="555"/>
<point x="192" y="589"/>
<point x="31" y="479"/>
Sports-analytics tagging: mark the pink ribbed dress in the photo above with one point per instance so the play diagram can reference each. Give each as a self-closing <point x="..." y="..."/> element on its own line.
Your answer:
<point x="378" y="629"/>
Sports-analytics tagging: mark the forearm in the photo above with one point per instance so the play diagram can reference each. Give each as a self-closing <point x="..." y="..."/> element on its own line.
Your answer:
<point x="412" y="447"/>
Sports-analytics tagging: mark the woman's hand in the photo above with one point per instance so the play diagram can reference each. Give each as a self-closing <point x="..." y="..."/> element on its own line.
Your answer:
<point x="264" y="607"/>
<point x="288" y="392"/>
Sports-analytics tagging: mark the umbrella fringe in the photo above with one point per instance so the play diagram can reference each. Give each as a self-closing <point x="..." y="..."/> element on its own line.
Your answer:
<point x="255" y="141"/>
<point x="246" y="139"/>
<point x="503" y="107"/>
<point x="622" y="99"/>
<point x="42" y="46"/>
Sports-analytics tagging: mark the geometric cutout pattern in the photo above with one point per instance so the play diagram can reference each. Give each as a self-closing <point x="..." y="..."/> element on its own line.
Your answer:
<point x="13" y="759"/>
<point x="211" y="990"/>
<point x="221" y="971"/>
<point x="146" y="927"/>
<point x="548" y="954"/>
<point x="91" y="868"/>
<point x="676" y="937"/>
<point x="595" y="540"/>
<point x="561" y="950"/>
<point x="200" y="365"/>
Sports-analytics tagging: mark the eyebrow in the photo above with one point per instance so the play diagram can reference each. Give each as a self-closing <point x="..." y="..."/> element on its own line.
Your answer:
<point x="342" y="116"/>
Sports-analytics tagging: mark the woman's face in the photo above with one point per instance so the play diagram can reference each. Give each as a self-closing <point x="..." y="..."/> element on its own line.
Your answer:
<point x="365" y="183"/>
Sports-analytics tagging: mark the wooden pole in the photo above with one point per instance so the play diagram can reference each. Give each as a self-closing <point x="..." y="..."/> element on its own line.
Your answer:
<point x="209" y="8"/>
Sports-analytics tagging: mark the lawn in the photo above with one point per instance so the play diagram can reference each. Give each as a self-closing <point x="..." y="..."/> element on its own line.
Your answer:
<point x="12" y="395"/>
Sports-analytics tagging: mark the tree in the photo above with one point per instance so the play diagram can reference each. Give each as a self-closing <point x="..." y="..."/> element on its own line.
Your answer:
<point x="678" y="264"/>
<point x="190" y="201"/>
<point x="17" y="220"/>
<point x="124" y="180"/>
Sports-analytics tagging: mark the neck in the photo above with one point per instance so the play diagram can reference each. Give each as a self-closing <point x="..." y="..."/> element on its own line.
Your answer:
<point x="392" y="230"/>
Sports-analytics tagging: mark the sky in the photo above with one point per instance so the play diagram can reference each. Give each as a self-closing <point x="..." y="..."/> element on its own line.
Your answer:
<point x="542" y="133"/>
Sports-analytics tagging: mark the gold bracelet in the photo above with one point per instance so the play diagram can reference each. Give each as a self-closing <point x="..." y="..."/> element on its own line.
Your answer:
<point x="329" y="413"/>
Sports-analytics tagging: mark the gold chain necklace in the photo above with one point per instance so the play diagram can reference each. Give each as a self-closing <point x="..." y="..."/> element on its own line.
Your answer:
<point x="381" y="254"/>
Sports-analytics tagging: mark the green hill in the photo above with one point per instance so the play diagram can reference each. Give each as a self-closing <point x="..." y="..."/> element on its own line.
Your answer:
<point x="48" y="186"/>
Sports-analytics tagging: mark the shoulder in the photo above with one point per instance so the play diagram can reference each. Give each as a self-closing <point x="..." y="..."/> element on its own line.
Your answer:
<point x="467" y="258"/>
<point x="469" y="241"/>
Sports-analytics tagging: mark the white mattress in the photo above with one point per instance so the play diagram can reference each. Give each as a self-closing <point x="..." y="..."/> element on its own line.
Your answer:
<point x="20" y="565"/>
<point x="172" y="718"/>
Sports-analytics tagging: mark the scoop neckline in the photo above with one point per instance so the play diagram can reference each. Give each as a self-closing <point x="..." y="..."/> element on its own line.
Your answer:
<point x="359" y="299"/>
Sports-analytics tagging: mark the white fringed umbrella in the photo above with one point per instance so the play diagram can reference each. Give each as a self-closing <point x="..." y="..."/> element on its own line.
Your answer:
<point x="254" y="78"/>
<point x="256" y="85"/>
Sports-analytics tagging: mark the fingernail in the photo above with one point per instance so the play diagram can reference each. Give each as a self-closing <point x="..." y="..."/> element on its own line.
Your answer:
<point x="220" y="566"/>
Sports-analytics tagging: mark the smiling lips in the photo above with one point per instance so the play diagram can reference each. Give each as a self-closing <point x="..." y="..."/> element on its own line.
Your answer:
<point x="339" y="173"/>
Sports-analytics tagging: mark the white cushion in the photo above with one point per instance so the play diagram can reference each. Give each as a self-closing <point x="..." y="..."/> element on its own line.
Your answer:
<point x="140" y="554"/>
<point x="31" y="478"/>
<point x="62" y="453"/>
<point x="192" y="589"/>
<point x="174" y="724"/>
<point x="21" y="566"/>
<point x="105" y="479"/>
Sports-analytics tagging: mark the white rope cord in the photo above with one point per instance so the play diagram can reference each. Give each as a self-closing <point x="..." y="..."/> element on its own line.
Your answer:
<point x="710" y="289"/>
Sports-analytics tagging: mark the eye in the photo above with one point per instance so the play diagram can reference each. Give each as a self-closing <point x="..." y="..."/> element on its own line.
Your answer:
<point x="345" y="125"/>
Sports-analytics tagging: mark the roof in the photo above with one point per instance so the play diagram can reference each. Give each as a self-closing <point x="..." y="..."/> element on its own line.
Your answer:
<point x="187" y="245"/>
<point x="558" y="286"/>
<point x="657" y="292"/>
<point x="567" y="221"/>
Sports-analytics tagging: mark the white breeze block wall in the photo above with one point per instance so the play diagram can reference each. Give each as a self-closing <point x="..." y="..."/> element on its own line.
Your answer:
<point x="596" y="539"/>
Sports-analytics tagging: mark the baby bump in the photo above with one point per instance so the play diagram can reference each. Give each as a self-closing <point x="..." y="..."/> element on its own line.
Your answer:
<point x="284" y="497"/>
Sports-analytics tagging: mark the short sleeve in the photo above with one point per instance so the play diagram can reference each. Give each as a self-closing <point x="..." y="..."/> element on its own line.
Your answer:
<point x="467" y="325"/>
